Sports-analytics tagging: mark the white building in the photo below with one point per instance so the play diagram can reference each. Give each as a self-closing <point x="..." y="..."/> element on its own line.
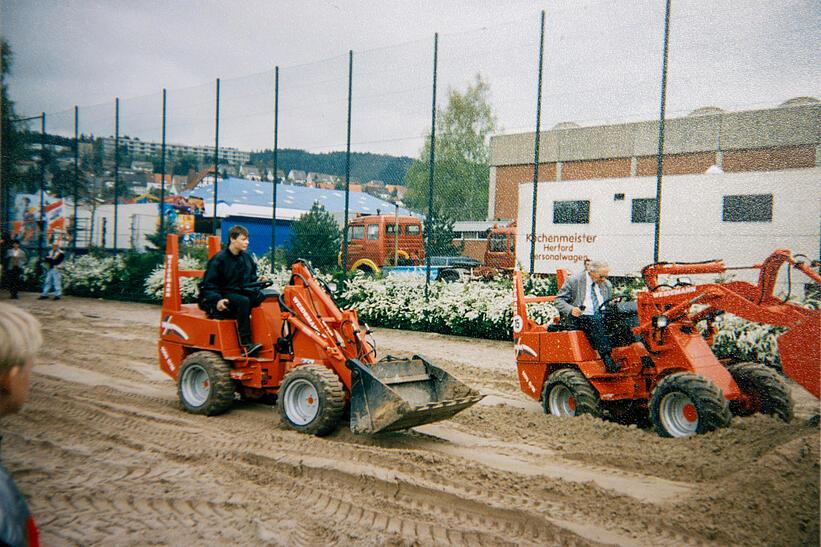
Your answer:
<point x="738" y="217"/>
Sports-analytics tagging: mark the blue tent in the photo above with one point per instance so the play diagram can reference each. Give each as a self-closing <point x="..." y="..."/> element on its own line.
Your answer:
<point x="249" y="203"/>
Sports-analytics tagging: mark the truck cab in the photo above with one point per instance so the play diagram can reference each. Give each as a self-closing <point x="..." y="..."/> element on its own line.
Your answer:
<point x="375" y="241"/>
<point x="500" y="252"/>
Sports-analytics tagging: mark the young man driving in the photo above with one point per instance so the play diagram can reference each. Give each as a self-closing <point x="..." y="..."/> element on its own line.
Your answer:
<point x="224" y="292"/>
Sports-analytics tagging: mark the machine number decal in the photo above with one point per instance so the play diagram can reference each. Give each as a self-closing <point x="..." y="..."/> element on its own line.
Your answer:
<point x="167" y="358"/>
<point x="518" y="323"/>
<point x="529" y="383"/>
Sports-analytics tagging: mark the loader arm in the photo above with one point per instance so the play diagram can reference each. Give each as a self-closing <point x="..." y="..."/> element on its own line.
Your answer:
<point x="385" y="395"/>
<point x="799" y="347"/>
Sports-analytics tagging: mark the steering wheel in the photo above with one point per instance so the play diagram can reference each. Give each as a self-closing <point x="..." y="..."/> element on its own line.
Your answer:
<point x="662" y="286"/>
<point x="612" y="301"/>
<point x="258" y="284"/>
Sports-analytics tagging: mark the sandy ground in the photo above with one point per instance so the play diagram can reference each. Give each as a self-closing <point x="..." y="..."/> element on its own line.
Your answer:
<point x="107" y="457"/>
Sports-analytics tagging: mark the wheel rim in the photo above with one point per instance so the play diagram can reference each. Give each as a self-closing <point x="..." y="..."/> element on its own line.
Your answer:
<point x="678" y="414"/>
<point x="195" y="385"/>
<point x="301" y="402"/>
<point x="561" y="401"/>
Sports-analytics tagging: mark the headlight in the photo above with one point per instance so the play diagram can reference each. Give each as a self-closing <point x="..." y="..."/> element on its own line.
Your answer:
<point x="660" y="321"/>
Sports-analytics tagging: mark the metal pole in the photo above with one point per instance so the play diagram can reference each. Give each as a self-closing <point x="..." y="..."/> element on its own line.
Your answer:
<point x="216" y="154"/>
<point x="43" y="222"/>
<point x="116" y="165"/>
<point x="536" y="151"/>
<point x="347" y="167"/>
<point x="429" y="220"/>
<point x="76" y="177"/>
<point x="660" y="157"/>
<point x="276" y="149"/>
<point x="162" y="169"/>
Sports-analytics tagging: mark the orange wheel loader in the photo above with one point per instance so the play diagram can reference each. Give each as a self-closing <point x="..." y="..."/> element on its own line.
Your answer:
<point x="669" y="373"/>
<point x="316" y="359"/>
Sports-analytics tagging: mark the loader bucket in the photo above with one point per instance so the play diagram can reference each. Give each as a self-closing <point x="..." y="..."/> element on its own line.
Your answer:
<point x="395" y="394"/>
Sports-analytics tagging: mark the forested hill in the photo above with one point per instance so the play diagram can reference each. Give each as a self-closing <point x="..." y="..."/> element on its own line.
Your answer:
<point x="364" y="166"/>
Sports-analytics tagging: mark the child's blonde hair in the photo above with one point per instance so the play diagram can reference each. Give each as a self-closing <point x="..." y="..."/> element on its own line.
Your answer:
<point x="20" y="337"/>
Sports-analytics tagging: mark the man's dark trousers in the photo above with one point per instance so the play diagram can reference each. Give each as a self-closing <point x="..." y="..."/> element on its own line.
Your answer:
<point x="593" y="327"/>
<point x="240" y="309"/>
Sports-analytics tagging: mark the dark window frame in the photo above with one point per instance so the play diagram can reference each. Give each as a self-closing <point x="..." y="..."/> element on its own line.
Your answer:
<point x="747" y="208"/>
<point x="564" y="213"/>
<point x="643" y="215"/>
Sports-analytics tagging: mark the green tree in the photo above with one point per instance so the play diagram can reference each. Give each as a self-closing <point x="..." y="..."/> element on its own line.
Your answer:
<point x="183" y="165"/>
<point x="461" y="169"/>
<point x="441" y="237"/>
<point x="316" y="238"/>
<point x="12" y="143"/>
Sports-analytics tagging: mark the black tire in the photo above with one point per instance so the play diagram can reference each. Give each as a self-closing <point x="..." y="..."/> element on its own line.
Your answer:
<point x="767" y="391"/>
<point x="296" y="406"/>
<point x="204" y="384"/>
<point x="684" y="404"/>
<point x="448" y="276"/>
<point x="568" y="393"/>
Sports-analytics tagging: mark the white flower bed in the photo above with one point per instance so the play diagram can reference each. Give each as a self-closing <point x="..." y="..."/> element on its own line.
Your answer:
<point x="189" y="286"/>
<point x="482" y="310"/>
<point x="90" y="274"/>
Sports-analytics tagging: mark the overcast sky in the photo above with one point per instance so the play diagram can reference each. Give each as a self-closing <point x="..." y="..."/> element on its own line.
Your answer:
<point x="602" y="63"/>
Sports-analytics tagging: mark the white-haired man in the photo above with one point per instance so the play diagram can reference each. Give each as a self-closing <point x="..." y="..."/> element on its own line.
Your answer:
<point x="20" y="340"/>
<point x="580" y="300"/>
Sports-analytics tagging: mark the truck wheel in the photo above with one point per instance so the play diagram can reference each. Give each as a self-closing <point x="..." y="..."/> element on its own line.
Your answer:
<point x="684" y="404"/>
<point x="767" y="392"/>
<point x="448" y="276"/>
<point x="568" y="393"/>
<point x="204" y="384"/>
<point x="311" y="399"/>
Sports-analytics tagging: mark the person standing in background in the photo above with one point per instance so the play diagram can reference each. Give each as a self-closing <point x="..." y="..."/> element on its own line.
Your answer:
<point x="53" y="277"/>
<point x="16" y="260"/>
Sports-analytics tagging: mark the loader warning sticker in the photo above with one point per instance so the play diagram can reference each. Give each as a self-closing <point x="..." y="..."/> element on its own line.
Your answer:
<point x="519" y="347"/>
<point x="518" y="323"/>
<point x="168" y="327"/>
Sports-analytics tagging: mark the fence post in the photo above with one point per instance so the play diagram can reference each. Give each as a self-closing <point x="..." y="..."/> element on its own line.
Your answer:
<point x="660" y="158"/>
<point x="162" y="172"/>
<point x="347" y="168"/>
<point x="43" y="221"/>
<point x="536" y="151"/>
<point x="429" y="220"/>
<point x="76" y="195"/>
<point x="276" y="150"/>
<point x="216" y="154"/>
<point x="116" y="165"/>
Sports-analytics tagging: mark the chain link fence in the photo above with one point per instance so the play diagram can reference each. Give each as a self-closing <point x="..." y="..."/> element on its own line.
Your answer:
<point x="409" y="155"/>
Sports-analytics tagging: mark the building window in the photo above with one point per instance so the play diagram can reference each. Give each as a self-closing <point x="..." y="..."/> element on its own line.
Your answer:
<point x="748" y="208"/>
<point x="497" y="243"/>
<point x="644" y="210"/>
<point x="571" y="212"/>
<point x="356" y="232"/>
<point x="373" y="231"/>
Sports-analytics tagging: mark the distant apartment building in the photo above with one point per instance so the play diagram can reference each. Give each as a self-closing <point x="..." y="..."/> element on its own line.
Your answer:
<point x="137" y="147"/>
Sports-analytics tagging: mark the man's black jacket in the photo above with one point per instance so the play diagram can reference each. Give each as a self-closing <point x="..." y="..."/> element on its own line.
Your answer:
<point x="226" y="273"/>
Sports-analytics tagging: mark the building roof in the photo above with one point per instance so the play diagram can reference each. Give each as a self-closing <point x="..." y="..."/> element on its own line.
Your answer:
<point x="240" y="197"/>
<point x="795" y="123"/>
